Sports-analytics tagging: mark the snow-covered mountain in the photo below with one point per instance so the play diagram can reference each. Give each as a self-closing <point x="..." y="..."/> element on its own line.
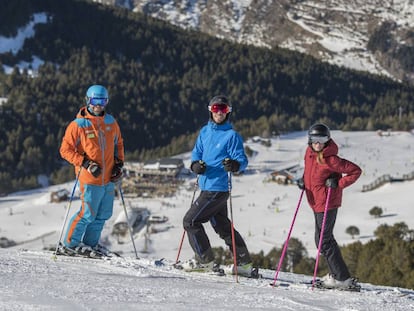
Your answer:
<point x="369" y="35"/>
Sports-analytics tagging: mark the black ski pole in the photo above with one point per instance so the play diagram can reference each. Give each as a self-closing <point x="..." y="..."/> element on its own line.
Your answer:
<point x="67" y="213"/>
<point x="126" y="215"/>
<point x="233" y="238"/>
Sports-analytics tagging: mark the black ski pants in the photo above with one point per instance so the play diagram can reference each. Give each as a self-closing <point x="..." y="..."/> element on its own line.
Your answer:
<point x="330" y="249"/>
<point x="212" y="206"/>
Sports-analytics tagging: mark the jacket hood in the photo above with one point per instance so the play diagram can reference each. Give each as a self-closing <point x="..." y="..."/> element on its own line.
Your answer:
<point x="220" y="127"/>
<point x="84" y="113"/>
<point x="330" y="149"/>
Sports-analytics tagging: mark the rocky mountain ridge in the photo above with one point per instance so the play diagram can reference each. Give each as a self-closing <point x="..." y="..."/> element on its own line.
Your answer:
<point x="369" y="35"/>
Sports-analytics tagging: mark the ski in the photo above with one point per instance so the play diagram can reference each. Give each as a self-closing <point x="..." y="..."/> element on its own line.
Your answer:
<point x="84" y="252"/>
<point x="352" y="288"/>
<point x="108" y="253"/>
<point x="254" y="274"/>
<point x="88" y="254"/>
<point x="216" y="270"/>
<point x="318" y="285"/>
<point x="219" y="270"/>
<point x="305" y="285"/>
<point x="222" y="270"/>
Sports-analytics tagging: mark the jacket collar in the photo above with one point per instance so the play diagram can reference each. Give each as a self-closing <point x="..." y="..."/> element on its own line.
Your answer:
<point x="220" y="127"/>
<point x="84" y="113"/>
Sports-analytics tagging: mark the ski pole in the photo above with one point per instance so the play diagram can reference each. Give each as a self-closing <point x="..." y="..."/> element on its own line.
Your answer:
<point x="182" y="237"/>
<point x="287" y="239"/>
<point x="126" y="215"/>
<point x="321" y="236"/>
<point x="67" y="213"/>
<point x="233" y="238"/>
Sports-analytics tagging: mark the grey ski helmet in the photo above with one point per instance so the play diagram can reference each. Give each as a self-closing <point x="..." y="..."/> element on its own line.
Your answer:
<point x="220" y="100"/>
<point x="319" y="132"/>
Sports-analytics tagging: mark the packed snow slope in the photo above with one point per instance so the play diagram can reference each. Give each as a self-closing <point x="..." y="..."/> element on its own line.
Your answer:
<point x="33" y="280"/>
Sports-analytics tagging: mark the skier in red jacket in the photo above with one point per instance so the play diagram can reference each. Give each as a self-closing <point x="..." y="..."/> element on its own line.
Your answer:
<point x="325" y="169"/>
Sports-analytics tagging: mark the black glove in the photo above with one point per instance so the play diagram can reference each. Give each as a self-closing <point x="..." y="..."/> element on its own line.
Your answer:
<point x="301" y="183"/>
<point x="231" y="165"/>
<point x="198" y="167"/>
<point x="331" y="182"/>
<point x="92" y="167"/>
<point x="117" y="174"/>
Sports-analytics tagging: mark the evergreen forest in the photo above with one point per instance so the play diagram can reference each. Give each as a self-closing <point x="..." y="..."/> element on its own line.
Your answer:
<point x="160" y="79"/>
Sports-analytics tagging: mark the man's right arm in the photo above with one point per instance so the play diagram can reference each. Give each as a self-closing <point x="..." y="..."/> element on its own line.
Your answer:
<point x="68" y="149"/>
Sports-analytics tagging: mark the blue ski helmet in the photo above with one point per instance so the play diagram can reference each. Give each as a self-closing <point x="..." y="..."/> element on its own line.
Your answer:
<point x="97" y="95"/>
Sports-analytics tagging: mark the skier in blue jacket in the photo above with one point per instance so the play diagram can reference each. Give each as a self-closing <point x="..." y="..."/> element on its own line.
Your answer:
<point x="217" y="151"/>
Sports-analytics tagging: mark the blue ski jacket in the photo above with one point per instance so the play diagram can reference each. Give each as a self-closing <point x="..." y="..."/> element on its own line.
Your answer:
<point x="215" y="143"/>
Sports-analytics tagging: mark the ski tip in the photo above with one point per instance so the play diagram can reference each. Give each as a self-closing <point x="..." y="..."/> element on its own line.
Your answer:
<point x="159" y="262"/>
<point x="353" y="288"/>
<point x="279" y="284"/>
<point x="255" y="274"/>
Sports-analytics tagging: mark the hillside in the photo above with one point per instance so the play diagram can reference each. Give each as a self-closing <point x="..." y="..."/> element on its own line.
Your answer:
<point x="374" y="36"/>
<point x="160" y="79"/>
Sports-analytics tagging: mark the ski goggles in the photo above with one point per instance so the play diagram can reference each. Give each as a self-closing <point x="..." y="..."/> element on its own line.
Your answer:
<point x="98" y="101"/>
<point x="219" y="107"/>
<point x="318" y="139"/>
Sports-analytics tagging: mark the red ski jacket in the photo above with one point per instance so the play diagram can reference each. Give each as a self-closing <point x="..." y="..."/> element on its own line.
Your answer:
<point x="316" y="174"/>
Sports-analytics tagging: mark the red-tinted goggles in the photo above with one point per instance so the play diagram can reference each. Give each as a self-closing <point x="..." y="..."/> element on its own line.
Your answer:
<point x="98" y="101"/>
<point x="219" y="107"/>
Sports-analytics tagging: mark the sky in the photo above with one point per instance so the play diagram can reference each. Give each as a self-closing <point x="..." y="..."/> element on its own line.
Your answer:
<point x="30" y="279"/>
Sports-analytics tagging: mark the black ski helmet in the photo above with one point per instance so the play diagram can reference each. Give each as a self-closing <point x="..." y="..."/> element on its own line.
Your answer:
<point x="220" y="99"/>
<point x="318" y="130"/>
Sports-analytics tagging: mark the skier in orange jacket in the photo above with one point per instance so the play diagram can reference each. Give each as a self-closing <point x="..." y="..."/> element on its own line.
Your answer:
<point x="93" y="144"/>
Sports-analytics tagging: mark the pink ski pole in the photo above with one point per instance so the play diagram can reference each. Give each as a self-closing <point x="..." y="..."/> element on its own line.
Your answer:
<point x="179" y="247"/>
<point x="182" y="237"/>
<point x="287" y="240"/>
<point x="321" y="236"/>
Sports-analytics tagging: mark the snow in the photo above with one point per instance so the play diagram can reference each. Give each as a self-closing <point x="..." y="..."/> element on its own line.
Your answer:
<point x="31" y="279"/>
<point x="14" y="44"/>
<point x="331" y="35"/>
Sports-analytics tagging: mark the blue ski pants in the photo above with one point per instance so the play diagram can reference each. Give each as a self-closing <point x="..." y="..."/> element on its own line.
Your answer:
<point x="87" y="224"/>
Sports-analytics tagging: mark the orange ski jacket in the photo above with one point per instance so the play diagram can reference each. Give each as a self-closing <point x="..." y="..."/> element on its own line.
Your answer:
<point x="97" y="138"/>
